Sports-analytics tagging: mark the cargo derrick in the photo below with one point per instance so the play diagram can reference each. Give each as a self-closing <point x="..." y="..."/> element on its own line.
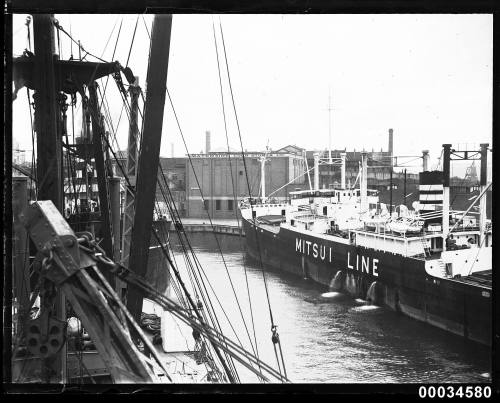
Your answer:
<point x="51" y="79"/>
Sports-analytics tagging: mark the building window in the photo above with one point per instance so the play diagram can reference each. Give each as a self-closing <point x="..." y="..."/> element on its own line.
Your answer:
<point x="230" y="205"/>
<point x="241" y="172"/>
<point x="217" y="204"/>
<point x="206" y="204"/>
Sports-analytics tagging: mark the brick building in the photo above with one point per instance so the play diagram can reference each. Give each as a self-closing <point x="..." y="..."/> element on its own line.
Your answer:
<point x="222" y="180"/>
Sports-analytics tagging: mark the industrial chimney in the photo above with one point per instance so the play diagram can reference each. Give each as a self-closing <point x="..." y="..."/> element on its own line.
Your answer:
<point x="172" y="150"/>
<point x="391" y="149"/>
<point x="207" y="142"/>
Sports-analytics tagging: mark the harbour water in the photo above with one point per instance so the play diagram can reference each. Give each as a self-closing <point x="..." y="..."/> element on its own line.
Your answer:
<point x="328" y="337"/>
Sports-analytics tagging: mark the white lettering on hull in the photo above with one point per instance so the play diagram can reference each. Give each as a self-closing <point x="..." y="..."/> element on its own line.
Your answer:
<point x="365" y="264"/>
<point x="322" y="252"/>
<point x="298" y="245"/>
<point x="362" y="263"/>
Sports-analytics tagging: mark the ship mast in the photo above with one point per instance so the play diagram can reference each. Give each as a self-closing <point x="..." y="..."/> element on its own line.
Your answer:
<point x="329" y="128"/>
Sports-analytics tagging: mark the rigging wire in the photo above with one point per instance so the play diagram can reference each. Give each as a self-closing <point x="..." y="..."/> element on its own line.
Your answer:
<point x="126" y="101"/>
<point x="233" y="186"/>
<point x="111" y="122"/>
<point x="59" y="27"/>
<point x="273" y="325"/>
<point x="34" y="184"/>
<point x="211" y="222"/>
<point x="132" y="43"/>
<point x="112" y="57"/>
<point x="175" y="215"/>
<point x="213" y="335"/>
<point x="231" y="374"/>
<point x="109" y="38"/>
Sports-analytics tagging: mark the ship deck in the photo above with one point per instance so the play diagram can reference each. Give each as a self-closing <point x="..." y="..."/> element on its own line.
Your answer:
<point x="480" y="278"/>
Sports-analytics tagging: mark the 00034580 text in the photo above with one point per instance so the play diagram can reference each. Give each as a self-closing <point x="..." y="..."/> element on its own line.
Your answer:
<point x="468" y="392"/>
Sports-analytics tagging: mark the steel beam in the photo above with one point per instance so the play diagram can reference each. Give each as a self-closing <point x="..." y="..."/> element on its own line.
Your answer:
<point x="49" y="152"/>
<point x="21" y="254"/>
<point x="90" y="296"/>
<point x="131" y="169"/>
<point x="150" y="155"/>
<point x="104" y="202"/>
<point x="49" y="155"/>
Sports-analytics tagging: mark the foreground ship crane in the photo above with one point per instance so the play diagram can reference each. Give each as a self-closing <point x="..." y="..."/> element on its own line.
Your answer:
<point x="88" y="291"/>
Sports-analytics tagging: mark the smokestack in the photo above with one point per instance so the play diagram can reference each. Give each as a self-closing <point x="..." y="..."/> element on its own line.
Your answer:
<point x="207" y="141"/>
<point x="425" y="160"/>
<point x="172" y="150"/>
<point x="391" y="144"/>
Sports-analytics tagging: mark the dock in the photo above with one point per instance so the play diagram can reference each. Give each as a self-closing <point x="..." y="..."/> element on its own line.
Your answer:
<point x="220" y="226"/>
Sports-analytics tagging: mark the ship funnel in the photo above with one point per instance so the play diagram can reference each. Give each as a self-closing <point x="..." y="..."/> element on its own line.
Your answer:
<point x="431" y="193"/>
<point x="207" y="142"/>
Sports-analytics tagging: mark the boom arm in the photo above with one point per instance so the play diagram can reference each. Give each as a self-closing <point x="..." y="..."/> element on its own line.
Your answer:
<point x="94" y="301"/>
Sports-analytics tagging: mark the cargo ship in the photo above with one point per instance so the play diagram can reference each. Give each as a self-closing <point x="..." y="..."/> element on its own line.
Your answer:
<point x="430" y="263"/>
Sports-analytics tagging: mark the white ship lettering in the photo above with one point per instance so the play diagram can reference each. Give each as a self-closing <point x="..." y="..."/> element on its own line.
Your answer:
<point x="318" y="250"/>
<point x="365" y="264"/>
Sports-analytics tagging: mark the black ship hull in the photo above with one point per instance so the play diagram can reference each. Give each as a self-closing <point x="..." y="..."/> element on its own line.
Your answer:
<point x="398" y="282"/>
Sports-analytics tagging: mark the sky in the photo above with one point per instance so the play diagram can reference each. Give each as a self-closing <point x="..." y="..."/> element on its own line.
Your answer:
<point x="429" y="77"/>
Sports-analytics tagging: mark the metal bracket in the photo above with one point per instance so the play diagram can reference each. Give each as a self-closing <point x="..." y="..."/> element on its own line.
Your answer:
<point x="51" y="233"/>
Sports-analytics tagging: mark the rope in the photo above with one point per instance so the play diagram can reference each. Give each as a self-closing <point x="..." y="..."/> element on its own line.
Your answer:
<point x="176" y="216"/>
<point x="132" y="43"/>
<point x="209" y="218"/>
<point x="477" y="254"/>
<point x="234" y="188"/>
<point x="112" y="57"/>
<point x="33" y="159"/>
<point x="246" y="174"/>
<point x="59" y="27"/>
<point x="189" y="266"/>
<point x="214" y="336"/>
<point x="109" y="38"/>
<point x="232" y="377"/>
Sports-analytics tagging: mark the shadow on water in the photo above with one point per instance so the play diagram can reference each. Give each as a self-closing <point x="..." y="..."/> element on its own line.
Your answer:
<point x="328" y="336"/>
